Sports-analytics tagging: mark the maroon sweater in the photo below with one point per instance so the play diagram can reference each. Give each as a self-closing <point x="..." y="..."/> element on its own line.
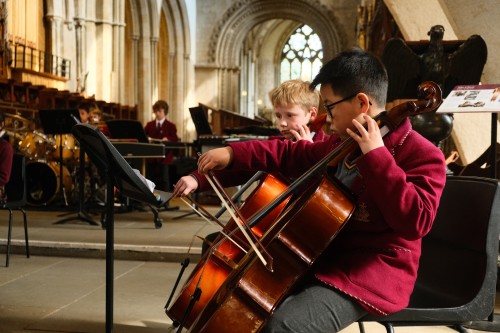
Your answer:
<point x="375" y="257"/>
<point x="6" y="155"/>
<point x="167" y="130"/>
<point x="239" y="177"/>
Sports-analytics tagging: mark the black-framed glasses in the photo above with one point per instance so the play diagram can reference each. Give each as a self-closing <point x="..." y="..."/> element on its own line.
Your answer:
<point x="329" y="107"/>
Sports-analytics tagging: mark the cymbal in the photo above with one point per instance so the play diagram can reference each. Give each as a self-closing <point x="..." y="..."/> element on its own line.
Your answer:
<point x="10" y="115"/>
<point x="14" y="135"/>
<point x="9" y="128"/>
<point x="15" y="129"/>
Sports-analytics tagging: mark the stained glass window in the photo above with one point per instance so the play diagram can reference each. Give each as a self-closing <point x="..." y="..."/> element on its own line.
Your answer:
<point x="302" y="55"/>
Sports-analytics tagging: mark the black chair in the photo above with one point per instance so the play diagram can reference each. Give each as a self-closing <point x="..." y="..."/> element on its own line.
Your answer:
<point x="457" y="277"/>
<point x="15" y="190"/>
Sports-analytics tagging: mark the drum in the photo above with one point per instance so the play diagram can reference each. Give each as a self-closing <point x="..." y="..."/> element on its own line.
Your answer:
<point x="76" y="155"/>
<point x="68" y="146"/>
<point x="43" y="183"/>
<point x="35" y="145"/>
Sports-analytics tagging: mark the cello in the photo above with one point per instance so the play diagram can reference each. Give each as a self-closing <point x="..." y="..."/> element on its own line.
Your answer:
<point x="216" y="265"/>
<point x="251" y="293"/>
<point x="214" y="268"/>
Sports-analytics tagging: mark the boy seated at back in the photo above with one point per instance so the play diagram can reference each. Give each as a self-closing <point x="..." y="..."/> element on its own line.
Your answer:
<point x="295" y="108"/>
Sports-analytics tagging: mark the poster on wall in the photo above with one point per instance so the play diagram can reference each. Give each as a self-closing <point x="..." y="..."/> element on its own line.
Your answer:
<point x="472" y="99"/>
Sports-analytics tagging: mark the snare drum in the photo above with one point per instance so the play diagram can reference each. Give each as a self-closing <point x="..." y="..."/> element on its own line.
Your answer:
<point x="43" y="183"/>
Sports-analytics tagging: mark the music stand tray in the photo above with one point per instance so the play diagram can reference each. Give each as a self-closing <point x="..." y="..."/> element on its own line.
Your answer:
<point x="118" y="174"/>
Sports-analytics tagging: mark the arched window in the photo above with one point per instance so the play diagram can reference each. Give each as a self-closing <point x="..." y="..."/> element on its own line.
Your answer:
<point x="302" y="55"/>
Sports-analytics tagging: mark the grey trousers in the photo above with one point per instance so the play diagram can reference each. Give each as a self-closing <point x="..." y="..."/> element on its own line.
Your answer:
<point x="315" y="309"/>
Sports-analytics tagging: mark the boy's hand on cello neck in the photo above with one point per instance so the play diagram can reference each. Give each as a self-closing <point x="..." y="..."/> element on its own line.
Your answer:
<point x="215" y="159"/>
<point x="368" y="138"/>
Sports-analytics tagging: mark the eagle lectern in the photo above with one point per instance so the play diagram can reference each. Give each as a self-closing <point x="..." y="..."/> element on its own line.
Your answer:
<point x="448" y="63"/>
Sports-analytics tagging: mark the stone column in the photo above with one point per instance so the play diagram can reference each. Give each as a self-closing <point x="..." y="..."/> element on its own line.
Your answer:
<point x="135" y="71"/>
<point x="117" y="93"/>
<point x="144" y="76"/>
<point x="154" y="69"/>
<point x="54" y="46"/>
<point x="80" y="68"/>
<point x="104" y="45"/>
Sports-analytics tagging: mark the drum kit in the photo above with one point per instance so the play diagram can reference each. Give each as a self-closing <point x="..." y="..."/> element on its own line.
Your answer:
<point x="45" y="158"/>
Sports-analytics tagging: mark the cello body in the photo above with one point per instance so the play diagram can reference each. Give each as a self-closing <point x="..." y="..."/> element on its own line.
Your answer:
<point x="212" y="270"/>
<point x="252" y="293"/>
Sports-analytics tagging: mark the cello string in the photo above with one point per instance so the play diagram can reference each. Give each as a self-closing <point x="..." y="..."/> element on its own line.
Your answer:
<point x="197" y="231"/>
<point x="212" y="223"/>
<point x="242" y="190"/>
<point x="237" y="211"/>
<point x="237" y="221"/>
<point x="192" y="205"/>
<point x="216" y="220"/>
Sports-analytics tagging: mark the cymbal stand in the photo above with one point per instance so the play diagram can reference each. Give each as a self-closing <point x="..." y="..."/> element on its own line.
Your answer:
<point x="80" y="215"/>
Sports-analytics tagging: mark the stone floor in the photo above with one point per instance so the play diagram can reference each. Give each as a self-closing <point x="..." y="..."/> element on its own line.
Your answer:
<point x="61" y="287"/>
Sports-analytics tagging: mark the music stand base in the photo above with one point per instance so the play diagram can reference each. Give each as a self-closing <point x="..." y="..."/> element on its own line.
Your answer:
<point x="183" y="216"/>
<point x="167" y="208"/>
<point x="79" y="217"/>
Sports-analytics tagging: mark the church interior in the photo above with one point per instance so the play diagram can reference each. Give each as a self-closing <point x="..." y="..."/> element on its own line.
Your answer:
<point x="98" y="253"/>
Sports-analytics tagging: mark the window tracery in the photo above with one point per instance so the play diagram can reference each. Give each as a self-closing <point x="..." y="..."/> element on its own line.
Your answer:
<point x="302" y="55"/>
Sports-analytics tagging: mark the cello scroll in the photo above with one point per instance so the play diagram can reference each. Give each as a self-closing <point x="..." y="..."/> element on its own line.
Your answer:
<point x="429" y="98"/>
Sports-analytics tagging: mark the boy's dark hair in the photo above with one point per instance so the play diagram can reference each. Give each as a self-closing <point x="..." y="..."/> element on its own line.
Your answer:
<point x="354" y="71"/>
<point x="161" y="104"/>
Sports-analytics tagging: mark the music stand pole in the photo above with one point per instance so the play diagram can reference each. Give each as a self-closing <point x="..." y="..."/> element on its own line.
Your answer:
<point x="80" y="215"/>
<point x="493" y="152"/>
<point x="62" y="193"/>
<point x="109" y="248"/>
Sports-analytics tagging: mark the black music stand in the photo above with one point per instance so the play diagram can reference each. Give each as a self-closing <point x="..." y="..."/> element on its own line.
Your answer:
<point x="127" y="129"/>
<point x="200" y="121"/>
<point x="59" y="121"/>
<point x="80" y="214"/>
<point x="132" y="129"/>
<point x="119" y="174"/>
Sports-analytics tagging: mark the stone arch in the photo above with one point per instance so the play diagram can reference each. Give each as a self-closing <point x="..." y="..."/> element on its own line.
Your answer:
<point x="241" y="17"/>
<point x="238" y="20"/>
